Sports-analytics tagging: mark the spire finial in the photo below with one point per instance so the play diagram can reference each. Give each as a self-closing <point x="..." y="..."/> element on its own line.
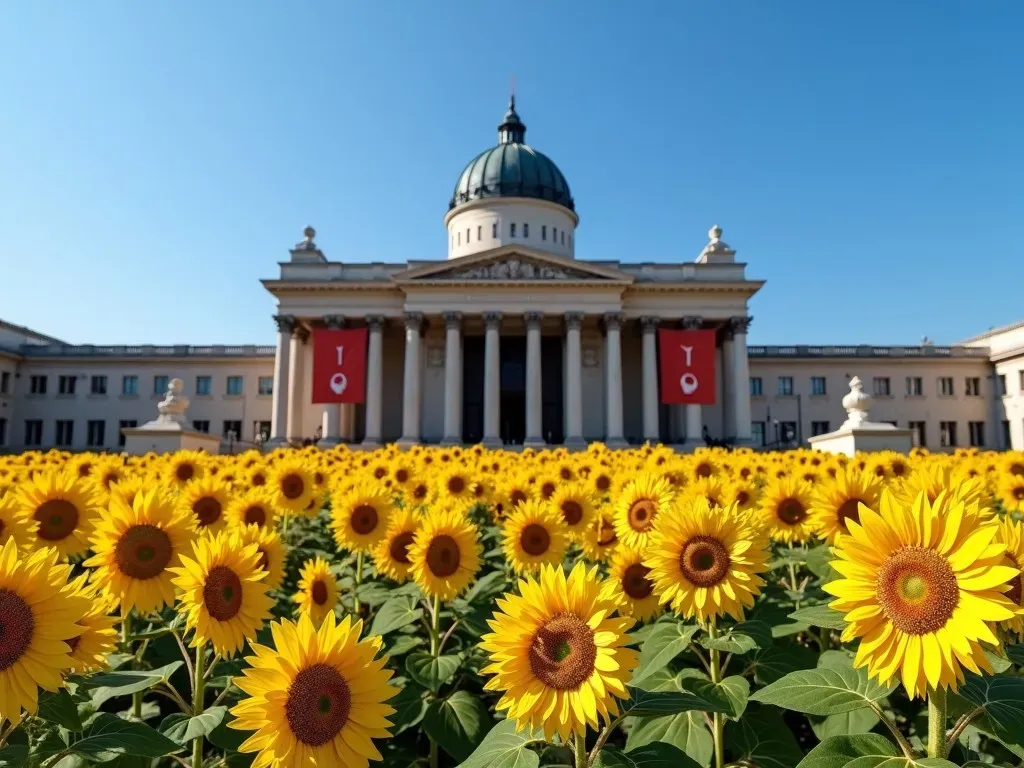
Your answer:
<point x="512" y="92"/>
<point x="511" y="130"/>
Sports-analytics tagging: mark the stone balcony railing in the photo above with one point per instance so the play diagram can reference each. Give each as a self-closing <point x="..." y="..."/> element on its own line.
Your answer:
<point x="867" y="351"/>
<point x="145" y="350"/>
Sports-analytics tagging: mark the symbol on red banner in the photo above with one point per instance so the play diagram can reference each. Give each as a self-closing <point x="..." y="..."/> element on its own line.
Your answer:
<point x="339" y="365"/>
<point x="687" y="367"/>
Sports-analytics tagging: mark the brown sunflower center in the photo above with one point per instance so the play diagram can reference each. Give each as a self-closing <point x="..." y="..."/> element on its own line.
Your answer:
<point x="703" y="470"/>
<point x="742" y="498"/>
<point x="402" y="475"/>
<point x="364" y="519"/>
<point x="606" y="535"/>
<point x="207" y="510"/>
<point x="318" y="705"/>
<point x="1016" y="585"/>
<point x="255" y="515"/>
<point x="517" y="497"/>
<point x="791" y="512"/>
<point x="565" y="473"/>
<point x="2" y="524"/>
<point x="143" y="552"/>
<point x="84" y="469"/>
<point x="603" y="483"/>
<point x="572" y="511"/>
<point x="535" y="539"/>
<point x="264" y="563"/>
<point x="1017" y="468"/>
<point x="635" y="582"/>
<point x="184" y="472"/>
<point x="379" y="472"/>
<point x="319" y="592"/>
<point x="563" y="652"/>
<point x="917" y="590"/>
<point x="292" y="486"/>
<point x="641" y="515"/>
<point x="456" y="484"/>
<point x="17" y="625"/>
<point x="547" y="490"/>
<point x="1018" y="493"/>
<point x="223" y="593"/>
<point x="399" y="548"/>
<point x="704" y="561"/>
<point x="849" y="510"/>
<point x="420" y="491"/>
<point x="57" y="519"/>
<point x="443" y="556"/>
<point x="259" y="479"/>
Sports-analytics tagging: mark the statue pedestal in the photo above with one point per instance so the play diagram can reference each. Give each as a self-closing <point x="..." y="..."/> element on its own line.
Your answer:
<point x="163" y="438"/>
<point x="857" y="433"/>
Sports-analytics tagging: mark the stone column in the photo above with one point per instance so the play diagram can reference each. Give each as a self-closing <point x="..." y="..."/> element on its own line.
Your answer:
<point x="534" y="393"/>
<point x="649" y="328"/>
<point x="741" y="379"/>
<point x="728" y="384"/>
<point x="613" y="380"/>
<point x="492" y="380"/>
<point x="374" y="382"/>
<point x="279" y="406"/>
<point x="694" y="422"/>
<point x="411" y="392"/>
<point x="296" y="380"/>
<point x="452" y="379"/>
<point x="331" y="421"/>
<point x="574" y="380"/>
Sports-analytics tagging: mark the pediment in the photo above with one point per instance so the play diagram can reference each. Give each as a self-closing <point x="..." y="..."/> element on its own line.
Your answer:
<point x="513" y="264"/>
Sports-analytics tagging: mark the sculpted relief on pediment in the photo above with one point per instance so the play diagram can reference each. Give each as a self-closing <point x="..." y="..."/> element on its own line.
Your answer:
<point x="516" y="269"/>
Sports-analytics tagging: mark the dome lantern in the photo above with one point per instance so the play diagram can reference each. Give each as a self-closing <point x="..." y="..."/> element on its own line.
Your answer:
<point x="512" y="130"/>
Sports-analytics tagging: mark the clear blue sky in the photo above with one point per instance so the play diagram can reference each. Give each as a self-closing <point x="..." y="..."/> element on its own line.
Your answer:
<point x="158" y="159"/>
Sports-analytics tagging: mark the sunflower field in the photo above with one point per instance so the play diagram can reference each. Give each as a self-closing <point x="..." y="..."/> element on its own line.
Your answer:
<point x="443" y="607"/>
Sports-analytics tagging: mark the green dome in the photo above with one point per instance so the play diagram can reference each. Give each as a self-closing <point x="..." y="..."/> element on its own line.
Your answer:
<point x="512" y="169"/>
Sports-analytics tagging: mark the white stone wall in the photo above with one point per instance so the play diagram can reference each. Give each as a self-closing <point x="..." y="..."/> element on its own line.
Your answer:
<point x="481" y="216"/>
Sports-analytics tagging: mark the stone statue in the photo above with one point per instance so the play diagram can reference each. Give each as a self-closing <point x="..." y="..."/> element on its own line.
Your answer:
<point x="172" y="408"/>
<point x="857" y="403"/>
<point x="307" y="245"/>
<point x="516" y="269"/>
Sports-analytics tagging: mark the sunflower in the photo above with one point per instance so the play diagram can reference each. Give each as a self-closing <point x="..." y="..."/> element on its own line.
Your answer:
<point x="128" y="486"/>
<point x="785" y="510"/>
<point x="63" y="507"/>
<point x="742" y="492"/>
<point x="185" y="466"/>
<point x="292" y="485"/>
<point x="206" y="499"/>
<point x="253" y="507"/>
<point x="16" y="522"/>
<point x="922" y="589"/>
<point x="558" y="655"/>
<point x="454" y="483"/>
<point x="707" y="561"/>
<point x="391" y="553"/>
<point x="135" y="546"/>
<point x="1011" y="533"/>
<point x="576" y="504"/>
<point x="712" y="488"/>
<point x="639" y="505"/>
<point x="317" y="699"/>
<point x="444" y="553"/>
<point x="104" y="473"/>
<point x="41" y="613"/>
<point x="836" y="501"/>
<point x="1010" y="491"/>
<point x="533" y="535"/>
<point x="256" y="474"/>
<point x="318" y="590"/>
<point x="222" y="591"/>
<point x="600" y="540"/>
<point x="629" y="579"/>
<point x="359" y="518"/>
<point x="99" y="637"/>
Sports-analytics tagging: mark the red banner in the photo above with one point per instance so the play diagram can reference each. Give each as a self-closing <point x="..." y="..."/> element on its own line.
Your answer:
<point x="687" y="367"/>
<point x="339" y="365"/>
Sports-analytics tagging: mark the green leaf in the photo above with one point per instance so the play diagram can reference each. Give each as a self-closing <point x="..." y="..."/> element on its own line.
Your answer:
<point x="61" y="709"/>
<point x="737" y="691"/>
<point x="663" y="644"/>
<point x="373" y="593"/>
<point x="485" y="588"/>
<point x="502" y="747"/>
<point x="762" y="738"/>
<point x="694" y="694"/>
<point x="109" y="737"/>
<point x="430" y="672"/>
<point x="867" y="750"/>
<point x="819" y="562"/>
<point x="182" y="729"/>
<point x="14" y="756"/>
<point x="457" y="723"/>
<point x="648" y="756"/>
<point x="1002" y="698"/>
<point x="688" y="730"/>
<point x="845" y="724"/>
<point x="778" y="661"/>
<point x="410" y="706"/>
<point x="820" y="616"/>
<point x="108" y="685"/>
<point x="399" y="611"/>
<point x="1015" y="653"/>
<point x="825" y="691"/>
<point x="741" y="638"/>
<point x="226" y="738"/>
<point x="400" y="644"/>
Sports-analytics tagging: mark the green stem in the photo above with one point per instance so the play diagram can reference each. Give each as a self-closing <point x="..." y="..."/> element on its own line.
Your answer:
<point x="792" y="581"/>
<point x="126" y="641"/>
<point x="435" y="649"/>
<point x="197" y="704"/>
<point x="937" y="723"/>
<point x="359" y="580"/>
<point x="284" y="527"/>
<point x="581" y="751"/>
<point x="717" y="721"/>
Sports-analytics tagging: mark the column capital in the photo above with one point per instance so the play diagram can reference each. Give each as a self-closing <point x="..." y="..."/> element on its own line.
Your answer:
<point x="452" y="320"/>
<point x="334" y="322"/>
<point x="612" y="321"/>
<point x="492" y="320"/>
<point x="574" y="320"/>
<point x="413" y="321"/>
<point x="739" y="325"/>
<point x="649" y="323"/>
<point x="376" y="322"/>
<point x="533" y="320"/>
<point x="300" y="332"/>
<point x="285" y="323"/>
<point x="692" y="322"/>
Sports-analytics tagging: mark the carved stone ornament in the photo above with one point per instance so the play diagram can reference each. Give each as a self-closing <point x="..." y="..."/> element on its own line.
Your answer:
<point x="650" y="323"/>
<point x="452" y="320"/>
<point x="715" y="243"/>
<point x="334" y="322"/>
<point x="589" y="357"/>
<point x="435" y="356"/>
<point x="172" y="408"/>
<point x="692" y="323"/>
<point x="413" y="321"/>
<point x="376" y="322"/>
<point x="857" y="403"/>
<point x="533" y="319"/>
<point x="740" y="324"/>
<point x="612" y="321"/>
<point x="492" y="320"/>
<point x="515" y="269"/>
<point x="574" y="320"/>
<point x="285" y="323"/>
<point x="307" y="243"/>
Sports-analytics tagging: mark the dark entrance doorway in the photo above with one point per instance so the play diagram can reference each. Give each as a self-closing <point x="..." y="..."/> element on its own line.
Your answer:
<point x="513" y="390"/>
<point x="472" y="389"/>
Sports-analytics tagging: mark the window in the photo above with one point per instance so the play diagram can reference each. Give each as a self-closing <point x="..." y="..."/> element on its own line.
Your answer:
<point x="65" y="432"/>
<point x="543" y="231"/>
<point x="880" y="386"/>
<point x="918" y="433"/>
<point x="946" y="386"/>
<point x="201" y="425"/>
<point x="570" y="241"/>
<point x="204" y="385"/>
<point x="915" y="388"/>
<point x="98" y="385"/>
<point x="232" y="430"/>
<point x="37" y="385"/>
<point x="1000" y="381"/>
<point x="479" y="232"/>
<point x="458" y="238"/>
<point x="526" y="229"/>
<point x="1021" y="382"/>
<point x="129" y="385"/>
<point x="976" y="433"/>
<point x="817" y="385"/>
<point x="947" y="434"/>
<point x="554" y="234"/>
<point x="122" y="425"/>
<point x="787" y="431"/>
<point x="512" y="229"/>
<point x="819" y="428"/>
<point x="972" y="386"/>
<point x="261" y="428"/>
<point x="494" y="230"/>
<point x="785" y="385"/>
<point x="467" y="235"/>
<point x="266" y="385"/>
<point x="66" y="385"/>
<point x="757" y="432"/>
<point x="33" y="432"/>
<point x="756" y="386"/>
<point x="3" y="431"/>
<point x="1007" y="440"/>
<point x="235" y="385"/>
<point x="95" y="436"/>
<point x="5" y="382"/>
<point x="563" y="237"/>
<point x="160" y="384"/>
